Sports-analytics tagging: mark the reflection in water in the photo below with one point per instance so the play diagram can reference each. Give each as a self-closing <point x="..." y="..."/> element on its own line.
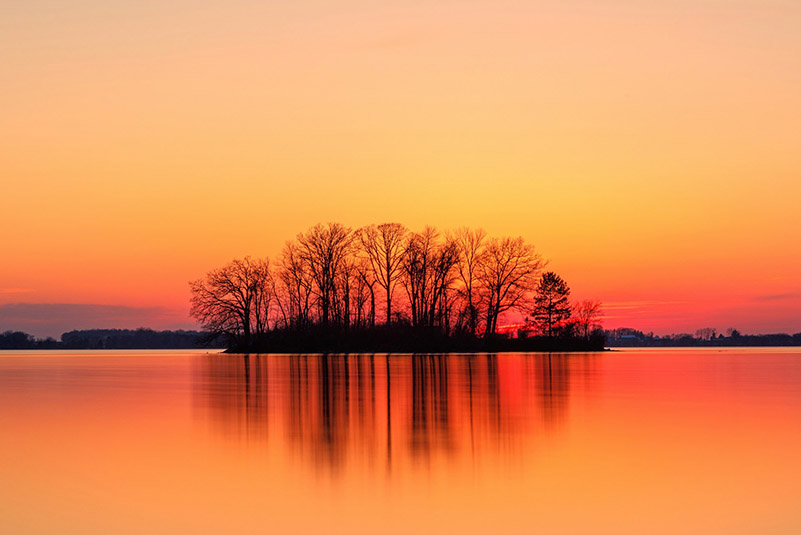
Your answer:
<point x="554" y="386"/>
<point x="638" y="441"/>
<point x="384" y="410"/>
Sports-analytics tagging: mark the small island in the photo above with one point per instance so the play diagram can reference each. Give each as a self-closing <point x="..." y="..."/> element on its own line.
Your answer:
<point x="384" y="288"/>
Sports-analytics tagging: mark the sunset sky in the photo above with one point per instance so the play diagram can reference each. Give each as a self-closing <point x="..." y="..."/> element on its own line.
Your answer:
<point x="651" y="150"/>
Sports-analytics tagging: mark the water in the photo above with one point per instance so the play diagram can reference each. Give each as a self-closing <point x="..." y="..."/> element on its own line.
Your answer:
<point x="635" y="441"/>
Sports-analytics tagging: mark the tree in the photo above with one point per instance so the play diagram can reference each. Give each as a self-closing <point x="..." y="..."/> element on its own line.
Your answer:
<point x="363" y="293"/>
<point x="470" y="247"/>
<point x="16" y="340"/>
<point x="427" y="276"/>
<point x="293" y="287"/>
<point x="384" y="247"/>
<point x="366" y="285"/>
<point x="551" y="306"/>
<point x="234" y="300"/>
<point x="324" y="249"/>
<point x="587" y="314"/>
<point x="506" y="273"/>
<point x="707" y="333"/>
<point x="350" y="296"/>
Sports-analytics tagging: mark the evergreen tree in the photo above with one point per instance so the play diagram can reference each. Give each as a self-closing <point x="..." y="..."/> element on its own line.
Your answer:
<point x="551" y="306"/>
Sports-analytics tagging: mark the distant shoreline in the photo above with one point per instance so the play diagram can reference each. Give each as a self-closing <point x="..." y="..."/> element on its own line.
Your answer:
<point x="759" y="340"/>
<point x="102" y="339"/>
<point x="377" y="340"/>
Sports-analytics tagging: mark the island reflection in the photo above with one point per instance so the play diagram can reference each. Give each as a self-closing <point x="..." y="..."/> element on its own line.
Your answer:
<point x="389" y="410"/>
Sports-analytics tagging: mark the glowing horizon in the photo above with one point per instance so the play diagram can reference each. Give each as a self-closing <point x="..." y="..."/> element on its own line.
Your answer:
<point x="648" y="149"/>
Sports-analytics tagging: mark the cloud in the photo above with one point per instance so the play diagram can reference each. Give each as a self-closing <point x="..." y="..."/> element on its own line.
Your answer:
<point x="16" y="290"/>
<point x="632" y="305"/>
<point x="777" y="297"/>
<point x="53" y="319"/>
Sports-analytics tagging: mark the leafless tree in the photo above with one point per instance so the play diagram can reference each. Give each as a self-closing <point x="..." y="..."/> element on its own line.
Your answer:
<point x="470" y="247"/>
<point x="384" y="246"/>
<point x="443" y="275"/>
<point x="507" y="274"/>
<point x="324" y="249"/>
<point x="264" y="299"/>
<point x="234" y="300"/>
<point x="364" y="293"/>
<point x="587" y="314"/>
<point x="428" y="276"/>
<point x="329" y="275"/>
<point x="294" y="292"/>
<point x="707" y="333"/>
<point x="346" y="296"/>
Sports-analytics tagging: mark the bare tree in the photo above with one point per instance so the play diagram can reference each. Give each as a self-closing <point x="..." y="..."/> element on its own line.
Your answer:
<point x="348" y="293"/>
<point x="416" y="264"/>
<point x="295" y="285"/>
<point x="442" y="277"/>
<point x="365" y="292"/>
<point x="470" y="247"/>
<point x="587" y="314"/>
<point x="234" y="300"/>
<point x="551" y="306"/>
<point x="264" y="296"/>
<point x="507" y="273"/>
<point x="325" y="248"/>
<point x="384" y="247"/>
<point x="427" y="276"/>
<point x="707" y="333"/>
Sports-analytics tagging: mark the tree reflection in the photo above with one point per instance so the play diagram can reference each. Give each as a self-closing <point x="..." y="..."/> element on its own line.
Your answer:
<point x="387" y="410"/>
<point x="430" y="422"/>
<point x="554" y="386"/>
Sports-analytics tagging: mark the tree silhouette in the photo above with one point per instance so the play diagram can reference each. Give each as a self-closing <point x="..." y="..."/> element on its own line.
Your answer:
<point x="507" y="272"/>
<point x="551" y="306"/>
<point x="384" y="248"/>
<point x="470" y="247"/>
<point x="587" y="314"/>
<point x="321" y="292"/>
<point x="427" y="276"/>
<point x="324" y="249"/>
<point x="707" y="333"/>
<point x="295" y="288"/>
<point x="234" y="300"/>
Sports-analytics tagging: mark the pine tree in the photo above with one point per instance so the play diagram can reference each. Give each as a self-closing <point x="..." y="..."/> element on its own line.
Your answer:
<point x="551" y="306"/>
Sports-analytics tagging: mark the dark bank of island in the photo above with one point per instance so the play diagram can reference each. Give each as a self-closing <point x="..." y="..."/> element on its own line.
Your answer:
<point x="404" y="339"/>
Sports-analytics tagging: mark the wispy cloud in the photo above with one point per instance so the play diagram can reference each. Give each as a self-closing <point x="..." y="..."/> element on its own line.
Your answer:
<point x="777" y="297"/>
<point x="633" y="305"/>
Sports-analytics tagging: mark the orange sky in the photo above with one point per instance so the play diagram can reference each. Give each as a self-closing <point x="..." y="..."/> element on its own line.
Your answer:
<point x="648" y="149"/>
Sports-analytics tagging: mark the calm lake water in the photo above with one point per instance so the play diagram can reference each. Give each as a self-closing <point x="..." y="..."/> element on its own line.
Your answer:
<point x="634" y="441"/>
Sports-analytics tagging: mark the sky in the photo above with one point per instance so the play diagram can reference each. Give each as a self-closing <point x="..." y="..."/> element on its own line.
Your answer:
<point x="648" y="149"/>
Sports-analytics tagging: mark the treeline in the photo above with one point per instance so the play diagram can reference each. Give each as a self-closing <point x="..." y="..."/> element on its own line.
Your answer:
<point x="22" y="340"/>
<point x="112" y="339"/>
<point x="627" y="337"/>
<point x="336" y="288"/>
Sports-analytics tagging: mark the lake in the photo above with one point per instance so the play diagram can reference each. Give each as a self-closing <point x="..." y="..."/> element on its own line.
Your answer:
<point x="631" y="441"/>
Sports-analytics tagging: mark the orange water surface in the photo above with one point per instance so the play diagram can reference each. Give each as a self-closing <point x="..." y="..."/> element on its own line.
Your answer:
<point x="635" y="441"/>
